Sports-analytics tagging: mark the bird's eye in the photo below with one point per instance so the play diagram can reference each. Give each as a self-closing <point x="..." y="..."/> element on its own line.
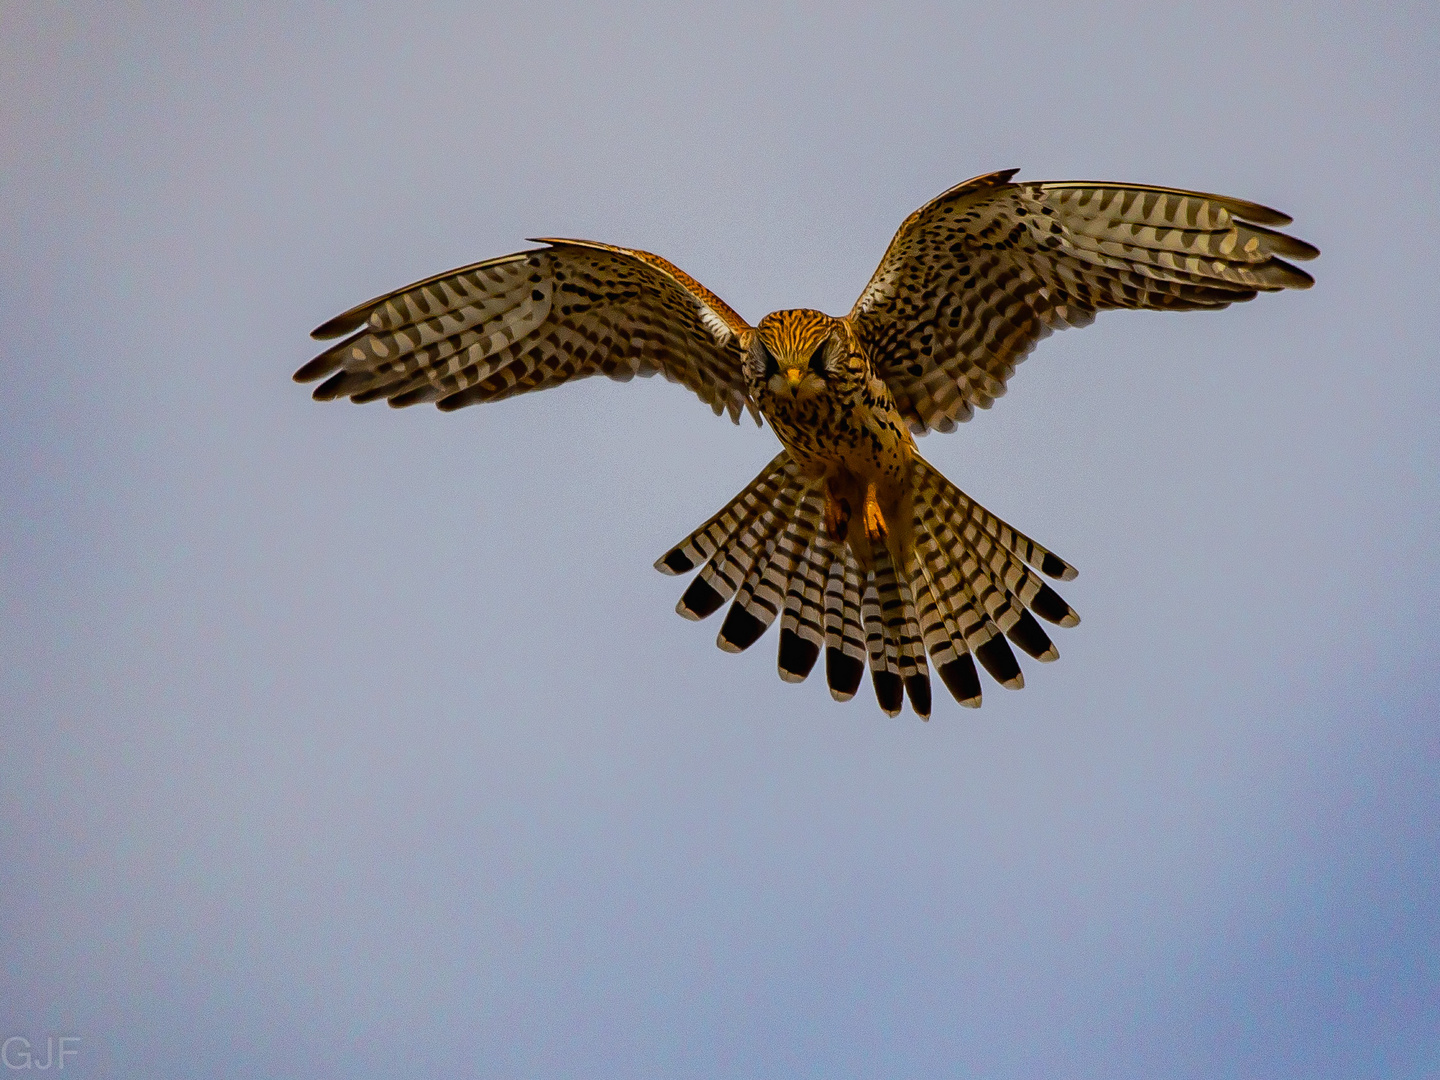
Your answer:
<point x="817" y="360"/>
<point x="772" y="367"/>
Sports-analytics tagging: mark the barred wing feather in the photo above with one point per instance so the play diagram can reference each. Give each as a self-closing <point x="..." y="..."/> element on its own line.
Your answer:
<point x="976" y="277"/>
<point x="533" y="320"/>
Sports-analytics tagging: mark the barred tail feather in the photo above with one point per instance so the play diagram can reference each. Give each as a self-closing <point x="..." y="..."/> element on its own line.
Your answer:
<point x="802" y="628"/>
<point x="978" y="524"/>
<point x="762" y="594"/>
<point x="883" y="648"/>
<point x="705" y="541"/>
<point x="971" y="630"/>
<point x="948" y="632"/>
<point x="977" y="569"/>
<point x="721" y="577"/>
<point x="845" y="651"/>
<point x="902" y="633"/>
<point x="971" y="588"/>
<point x="727" y="543"/>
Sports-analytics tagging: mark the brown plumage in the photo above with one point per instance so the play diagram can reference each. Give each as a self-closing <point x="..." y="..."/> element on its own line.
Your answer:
<point x="859" y="547"/>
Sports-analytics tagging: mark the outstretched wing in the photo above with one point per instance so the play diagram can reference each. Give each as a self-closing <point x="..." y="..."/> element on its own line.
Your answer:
<point x="977" y="276"/>
<point x="532" y="320"/>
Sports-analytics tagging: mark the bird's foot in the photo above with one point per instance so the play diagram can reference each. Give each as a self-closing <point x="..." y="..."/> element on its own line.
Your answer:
<point x="875" y="528"/>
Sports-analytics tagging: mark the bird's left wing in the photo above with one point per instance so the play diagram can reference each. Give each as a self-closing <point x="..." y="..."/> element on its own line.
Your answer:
<point x="978" y="275"/>
<point x="532" y="320"/>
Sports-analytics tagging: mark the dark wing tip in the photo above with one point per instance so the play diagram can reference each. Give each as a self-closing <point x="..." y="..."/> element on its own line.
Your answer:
<point x="1253" y="211"/>
<point x="344" y="323"/>
<point x="460" y="399"/>
<point x="375" y="393"/>
<point x="1279" y="243"/>
<point x="411" y="397"/>
<point x="331" y="388"/>
<point x="1288" y="275"/>
<point x="318" y="368"/>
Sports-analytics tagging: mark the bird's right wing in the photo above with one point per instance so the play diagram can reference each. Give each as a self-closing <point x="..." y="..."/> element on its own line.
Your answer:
<point x="532" y="320"/>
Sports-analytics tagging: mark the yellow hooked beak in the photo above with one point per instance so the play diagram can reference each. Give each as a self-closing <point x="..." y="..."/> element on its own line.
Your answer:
<point x="793" y="376"/>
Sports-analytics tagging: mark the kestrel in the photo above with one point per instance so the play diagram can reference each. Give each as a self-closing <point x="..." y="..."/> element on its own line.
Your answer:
<point x="855" y="542"/>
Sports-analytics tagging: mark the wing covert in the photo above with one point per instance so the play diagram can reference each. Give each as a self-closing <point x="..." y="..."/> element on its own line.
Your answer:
<point x="973" y="279"/>
<point x="532" y="320"/>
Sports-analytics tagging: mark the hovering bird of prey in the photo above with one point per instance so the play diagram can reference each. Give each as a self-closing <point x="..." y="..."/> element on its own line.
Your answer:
<point x="852" y="539"/>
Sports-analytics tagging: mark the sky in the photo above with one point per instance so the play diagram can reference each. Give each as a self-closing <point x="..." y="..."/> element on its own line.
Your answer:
<point x="343" y="741"/>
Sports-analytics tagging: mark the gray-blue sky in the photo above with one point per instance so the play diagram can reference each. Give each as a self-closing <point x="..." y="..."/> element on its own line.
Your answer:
<point x="342" y="741"/>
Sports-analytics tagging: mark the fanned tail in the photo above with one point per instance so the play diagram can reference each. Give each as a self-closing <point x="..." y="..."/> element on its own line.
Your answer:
<point x="968" y="587"/>
<point x="975" y="577"/>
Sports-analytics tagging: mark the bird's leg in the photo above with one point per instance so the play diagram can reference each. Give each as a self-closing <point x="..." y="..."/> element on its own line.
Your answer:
<point x="837" y="515"/>
<point x="875" y="528"/>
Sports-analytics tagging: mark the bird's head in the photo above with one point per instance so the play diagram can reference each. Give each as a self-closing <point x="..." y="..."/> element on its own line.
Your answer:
<point x="795" y="355"/>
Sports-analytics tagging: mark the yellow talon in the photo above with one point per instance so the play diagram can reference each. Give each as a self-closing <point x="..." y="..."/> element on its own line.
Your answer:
<point x="875" y="528"/>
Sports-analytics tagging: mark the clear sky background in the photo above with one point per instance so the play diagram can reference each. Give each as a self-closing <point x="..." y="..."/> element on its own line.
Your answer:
<point x="346" y="742"/>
